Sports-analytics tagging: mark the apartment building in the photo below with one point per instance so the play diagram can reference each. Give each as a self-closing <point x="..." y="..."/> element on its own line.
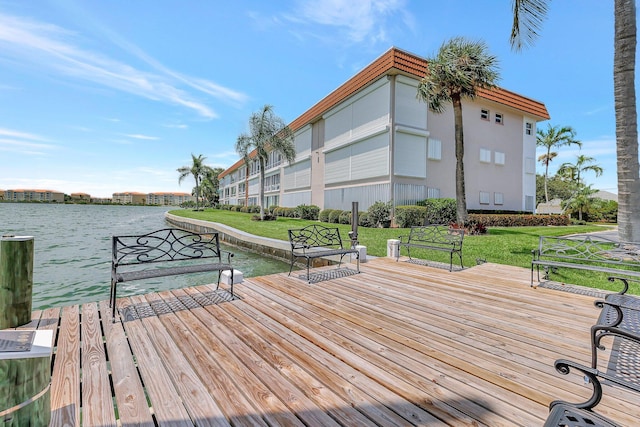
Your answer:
<point x="169" y="199"/>
<point x="33" y="196"/>
<point x="129" y="198"/>
<point x="372" y="140"/>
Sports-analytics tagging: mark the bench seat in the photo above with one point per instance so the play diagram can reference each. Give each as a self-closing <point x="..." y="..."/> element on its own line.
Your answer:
<point x="434" y="237"/>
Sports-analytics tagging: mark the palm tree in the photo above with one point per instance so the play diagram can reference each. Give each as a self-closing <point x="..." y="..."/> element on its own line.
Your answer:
<point x="210" y="185"/>
<point x="553" y="137"/>
<point x="267" y="133"/>
<point x="573" y="171"/>
<point x="527" y="17"/>
<point x="581" y="201"/>
<point x="197" y="170"/>
<point x="458" y="69"/>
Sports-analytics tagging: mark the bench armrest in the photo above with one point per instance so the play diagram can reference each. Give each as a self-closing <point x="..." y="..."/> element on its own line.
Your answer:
<point x="564" y="367"/>
<point x="625" y="283"/>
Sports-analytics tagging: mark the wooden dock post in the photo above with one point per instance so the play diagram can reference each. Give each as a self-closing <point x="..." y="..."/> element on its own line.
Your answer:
<point x="25" y="380"/>
<point x="16" y="280"/>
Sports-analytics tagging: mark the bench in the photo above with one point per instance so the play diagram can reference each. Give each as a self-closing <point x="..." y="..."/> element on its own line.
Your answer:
<point x="165" y="252"/>
<point x="586" y="252"/>
<point x="434" y="237"/>
<point x="317" y="241"/>
<point x="619" y="319"/>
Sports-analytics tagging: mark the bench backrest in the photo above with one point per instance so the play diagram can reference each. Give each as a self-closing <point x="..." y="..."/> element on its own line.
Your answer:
<point x="315" y="236"/>
<point x="590" y="248"/>
<point x="169" y="244"/>
<point x="436" y="235"/>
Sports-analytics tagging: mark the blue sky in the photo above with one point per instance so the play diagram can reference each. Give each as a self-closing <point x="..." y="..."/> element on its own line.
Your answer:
<point x="109" y="96"/>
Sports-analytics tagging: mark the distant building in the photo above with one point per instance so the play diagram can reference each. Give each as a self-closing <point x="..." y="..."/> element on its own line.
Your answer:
<point x="169" y="199"/>
<point x="130" y="198"/>
<point x="554" y="206"/>
<point x="101" y="200"/>
<point x="33" y="196"/>
<point x="606" y="195"/>
<point x="83" y="197"/>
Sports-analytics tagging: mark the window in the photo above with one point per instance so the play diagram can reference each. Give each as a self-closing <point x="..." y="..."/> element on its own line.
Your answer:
<point x="484" y="197"/>
<point x="434" y="151"/>
<point x="485" y="155"/>
<point x="484" y="114"/>
<point x="498" y="198"/>
<point x="499" y="118"/>
<point x="528" y="128"/>
<point x="272" y="183"/>
<point x="433" y="193"/>
<point x="499" y="158"/>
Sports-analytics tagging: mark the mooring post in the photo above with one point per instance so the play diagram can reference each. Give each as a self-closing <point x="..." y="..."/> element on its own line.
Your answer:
<point x="16" y="280"/>
<point x="25" y="364"/>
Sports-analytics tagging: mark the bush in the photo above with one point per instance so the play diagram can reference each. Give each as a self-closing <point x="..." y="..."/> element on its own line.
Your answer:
<point x="518" y="220"/>
<point x="308" y="212"/>
<point x="267" y="217"/>
<point x="254" y="209"/>
<point x="380" y="214"/>
<point x="407" y="216"/>
<point x="334" y="216"/>
<point x="439" y="211"/>
<point x="363" y="219"/>
<point x="345" y="217"/>
<point x="324" y="215"/>
<point x="271" y="209"/>
<point x="244" y="209"/>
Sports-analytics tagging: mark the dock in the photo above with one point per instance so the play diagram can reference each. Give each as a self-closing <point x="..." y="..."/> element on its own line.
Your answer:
<point x="399" y="344"/>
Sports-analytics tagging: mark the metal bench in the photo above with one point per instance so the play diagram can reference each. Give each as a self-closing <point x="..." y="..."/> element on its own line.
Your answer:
<point x="586" y="252"/>
<point x="434" y="237"/>
<point x="165" y="252"/>
<point x="317" y="241"/>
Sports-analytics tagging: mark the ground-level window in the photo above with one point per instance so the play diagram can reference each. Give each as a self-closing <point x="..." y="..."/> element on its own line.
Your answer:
<point x="434" y="150"/>
<point x="485" y="197"/>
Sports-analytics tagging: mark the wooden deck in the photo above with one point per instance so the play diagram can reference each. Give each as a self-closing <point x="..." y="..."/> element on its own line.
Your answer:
<point x="398" y="344"/>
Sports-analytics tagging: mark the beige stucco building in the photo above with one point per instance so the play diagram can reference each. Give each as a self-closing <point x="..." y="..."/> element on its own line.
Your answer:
<point x="372" y="140"/>
<point x="31" y="195"/>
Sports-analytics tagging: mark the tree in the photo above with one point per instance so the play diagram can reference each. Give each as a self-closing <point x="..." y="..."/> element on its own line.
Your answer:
<point x="267" y="133"/>
<point x="197" y="170"/>
<point x="527" y="17"/>
<point x="554" y="137"/>
<point x="558" y="187"/>
<point x="581" y="201"/>
<point x="459" y="68"/>
<point x="210" y="185"/>
<point x="574" y="171"/>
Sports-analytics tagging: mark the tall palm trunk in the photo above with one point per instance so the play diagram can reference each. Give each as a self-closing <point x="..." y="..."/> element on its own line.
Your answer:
<point x="461" y="200"/>
<point x="546" y="177"/>
<point x="261" y="189"/>
<point x="624" y="63"/>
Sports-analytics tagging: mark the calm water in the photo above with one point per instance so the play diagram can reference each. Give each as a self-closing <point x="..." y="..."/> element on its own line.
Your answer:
<point x="72" y="255"/>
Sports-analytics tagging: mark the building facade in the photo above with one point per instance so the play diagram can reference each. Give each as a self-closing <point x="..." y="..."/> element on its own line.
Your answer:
<point x="48" y="196"/>
<point x="169" y="199"/>
<point x="373" y="140"/>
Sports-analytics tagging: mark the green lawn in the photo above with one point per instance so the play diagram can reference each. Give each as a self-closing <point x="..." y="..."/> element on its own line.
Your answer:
<point x="501" y="245"/>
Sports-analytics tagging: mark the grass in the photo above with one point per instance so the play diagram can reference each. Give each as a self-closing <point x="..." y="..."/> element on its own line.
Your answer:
<point x="501" y="245"/>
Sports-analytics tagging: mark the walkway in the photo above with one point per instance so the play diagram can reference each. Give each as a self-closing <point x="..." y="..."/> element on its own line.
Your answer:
<point x="398" y="344"/>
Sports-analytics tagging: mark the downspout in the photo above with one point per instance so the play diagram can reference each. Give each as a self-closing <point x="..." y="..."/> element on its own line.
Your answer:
<point x="392" y="137"/>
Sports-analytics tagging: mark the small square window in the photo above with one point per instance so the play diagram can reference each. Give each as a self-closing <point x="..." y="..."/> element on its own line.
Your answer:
<point x="499" y="158"/>
<point x="499" y="118"/>
<point x="484" y="114"/>
<point x="498" y="198"/>
<point x="485" y="197"/>
<point x="528" y="128"/>
<point x="485" y="155"/>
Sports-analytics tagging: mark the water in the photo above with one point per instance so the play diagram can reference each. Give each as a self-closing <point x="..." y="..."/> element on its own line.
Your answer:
<point x="72" y="250"/>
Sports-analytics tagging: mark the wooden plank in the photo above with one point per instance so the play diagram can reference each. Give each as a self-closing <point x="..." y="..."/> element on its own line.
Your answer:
<point x="194" y="395"/>
<point x="97" y="401"/>
<point x="65" y="380"/>
<point x="129" y="393"/>
<point x="165" y="400"/>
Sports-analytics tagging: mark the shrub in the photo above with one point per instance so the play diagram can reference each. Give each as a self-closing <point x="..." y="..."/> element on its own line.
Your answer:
<point x="244" y="209"/>
<point x="439" y="211"/>
<point x="334" y="216"/>
<point x="380" y="214"/>
<point x="267" y="217"/>
<point x="254" y="209"/>
<point x="363" y="219"/>
<point x="345" y="217"/>
<point x="308" y="212"/>
<point x="407" y="216"/>
<point x="518" y="220"/>
<point x="271" y="209"/>
<point x="324" y="215"/>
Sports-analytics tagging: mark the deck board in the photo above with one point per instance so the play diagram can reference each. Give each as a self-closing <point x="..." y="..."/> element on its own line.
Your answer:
<point x="399" y="344"/>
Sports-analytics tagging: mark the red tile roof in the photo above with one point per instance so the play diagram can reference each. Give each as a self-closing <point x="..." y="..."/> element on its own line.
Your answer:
<point x="396" y="61"/>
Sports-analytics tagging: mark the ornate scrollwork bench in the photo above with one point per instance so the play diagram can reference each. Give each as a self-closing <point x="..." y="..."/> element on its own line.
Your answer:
<point x="587" y="252"/>
<point x="165" y="252"/>
<point x="317" y="241"/>
<point x="434" y="237"/>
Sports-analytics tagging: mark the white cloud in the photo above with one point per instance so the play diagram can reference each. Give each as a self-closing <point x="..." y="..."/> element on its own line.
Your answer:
<point x="24" y="143"/>
<point x="360" y="19"/>
<point x="144" y="137"/>
<point x="47" y="45"/>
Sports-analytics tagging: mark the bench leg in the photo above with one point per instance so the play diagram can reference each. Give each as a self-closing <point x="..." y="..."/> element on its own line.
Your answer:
<point x="112" y="301"/>
<point x="308" y="273"/>
<point x="291" y="266"/>
<point x="450" y="261"/>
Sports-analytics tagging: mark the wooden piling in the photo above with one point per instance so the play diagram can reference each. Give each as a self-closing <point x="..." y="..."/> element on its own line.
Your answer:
<point x="16" y="280"/>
